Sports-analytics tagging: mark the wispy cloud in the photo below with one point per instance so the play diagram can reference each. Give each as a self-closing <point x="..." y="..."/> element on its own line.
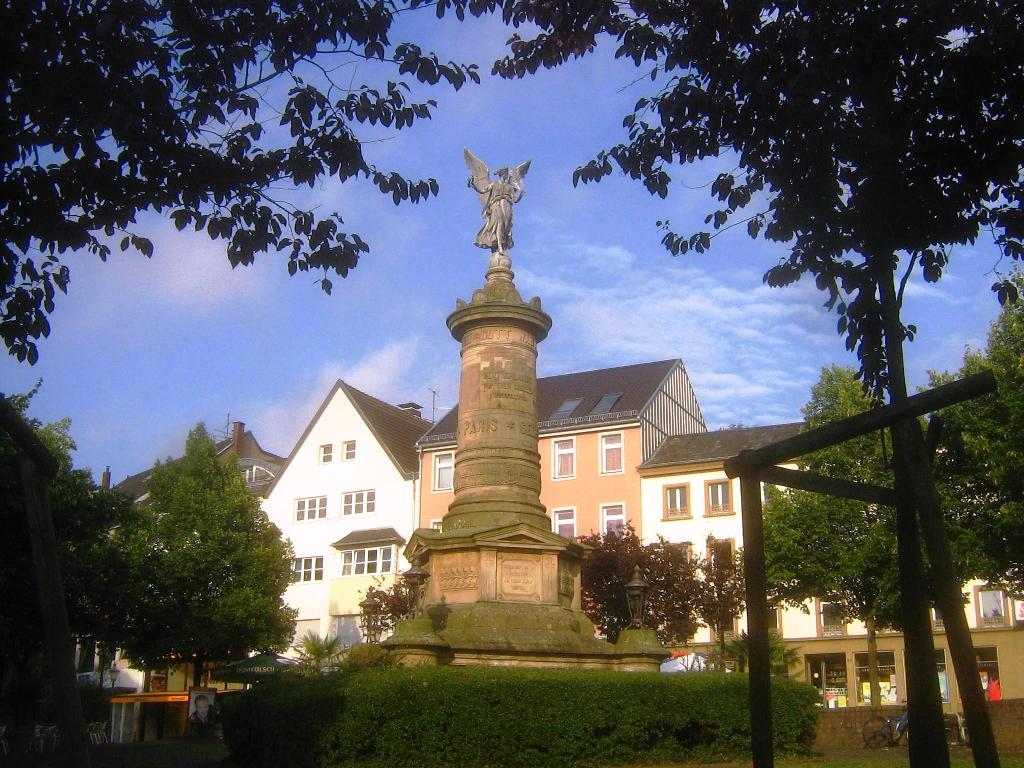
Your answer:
<point x="401" y="370"/>
<point x="752" y="351"/>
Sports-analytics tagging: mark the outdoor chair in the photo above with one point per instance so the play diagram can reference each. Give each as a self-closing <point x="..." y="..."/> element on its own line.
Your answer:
<point x="97" y="733"/>
<point x="45" y="738"/>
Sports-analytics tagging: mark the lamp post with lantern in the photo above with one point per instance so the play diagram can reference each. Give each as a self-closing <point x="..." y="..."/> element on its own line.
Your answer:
<point x="638" y="647"/>
<point x="370" y="619"/>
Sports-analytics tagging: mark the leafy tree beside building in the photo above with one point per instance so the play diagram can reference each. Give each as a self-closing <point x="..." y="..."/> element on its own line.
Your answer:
<point x="720" y="595"/>
<point x="210" y="568"/>
<point x="671" y="572"/>
<point x="94" y="567"/>
<point x="838" y="550"/>
<point x="980" y="461"/>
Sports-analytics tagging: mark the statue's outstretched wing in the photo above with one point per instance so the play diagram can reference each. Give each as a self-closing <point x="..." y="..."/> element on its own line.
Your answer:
<point x="480" y="175"/>
<point x="519" y="172"/>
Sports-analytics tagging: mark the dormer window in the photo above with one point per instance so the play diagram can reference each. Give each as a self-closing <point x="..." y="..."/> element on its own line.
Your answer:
<point x="565" y="410"/>
<point x="606" y="403"/>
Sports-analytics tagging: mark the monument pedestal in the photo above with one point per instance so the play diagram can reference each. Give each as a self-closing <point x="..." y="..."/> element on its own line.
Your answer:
<point x="503" y="589"/>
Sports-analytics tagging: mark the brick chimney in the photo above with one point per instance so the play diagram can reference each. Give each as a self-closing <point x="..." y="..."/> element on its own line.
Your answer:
<point x="237" y="432"/>
<point x="105" y="479"/>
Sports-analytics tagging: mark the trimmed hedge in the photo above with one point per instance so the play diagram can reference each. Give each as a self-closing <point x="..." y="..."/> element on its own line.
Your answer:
<point x="476" y="717"/>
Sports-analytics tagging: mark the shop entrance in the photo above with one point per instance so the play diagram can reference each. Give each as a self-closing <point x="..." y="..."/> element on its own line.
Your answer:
<point x="827" y="673"/>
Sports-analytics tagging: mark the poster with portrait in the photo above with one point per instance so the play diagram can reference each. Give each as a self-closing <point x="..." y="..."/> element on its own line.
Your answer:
<point x="202" y="705"/>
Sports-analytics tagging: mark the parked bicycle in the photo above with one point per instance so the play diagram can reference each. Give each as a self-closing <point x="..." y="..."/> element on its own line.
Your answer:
<point x="885" y="731"/>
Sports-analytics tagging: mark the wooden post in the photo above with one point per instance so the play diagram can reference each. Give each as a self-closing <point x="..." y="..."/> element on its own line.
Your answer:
<point x="927" y="744"/>
<point x="760" y="681"/>
<point x="948" y="596"/>
<point x="55" y="618"/>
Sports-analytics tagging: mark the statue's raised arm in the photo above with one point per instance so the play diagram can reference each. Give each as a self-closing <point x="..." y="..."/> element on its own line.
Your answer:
<point x="497" y="196"/>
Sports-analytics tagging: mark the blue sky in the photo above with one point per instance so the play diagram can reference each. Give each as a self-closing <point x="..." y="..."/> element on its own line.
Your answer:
<point x="142" y="350"/>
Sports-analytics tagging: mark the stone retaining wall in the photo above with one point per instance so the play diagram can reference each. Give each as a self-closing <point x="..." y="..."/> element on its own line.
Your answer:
<point x="843" y="727"/>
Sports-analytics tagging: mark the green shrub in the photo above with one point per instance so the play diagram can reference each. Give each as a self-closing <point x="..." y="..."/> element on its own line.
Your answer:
<point x="367" y="656"/>
<point x="477" y="717"/>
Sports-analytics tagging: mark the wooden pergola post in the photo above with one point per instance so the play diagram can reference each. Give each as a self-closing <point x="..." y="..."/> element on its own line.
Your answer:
<point x="36" y="466"/>
<point x="915" y="500"/>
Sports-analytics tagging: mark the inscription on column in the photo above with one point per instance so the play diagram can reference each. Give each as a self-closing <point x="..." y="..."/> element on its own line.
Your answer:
<point x="499" y="335"/>
<point x="519" y="580"/>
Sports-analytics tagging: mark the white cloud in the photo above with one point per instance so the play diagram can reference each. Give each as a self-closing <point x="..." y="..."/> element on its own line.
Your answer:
<point x="400" y="371"/>
<point x="752" y="351"/>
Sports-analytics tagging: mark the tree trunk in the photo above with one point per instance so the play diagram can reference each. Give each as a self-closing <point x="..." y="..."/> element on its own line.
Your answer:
<point x="927" y="747"/>
<point x="876" y="692"/>
<point x="197" y="672"/>
<point x="909" y="442"/>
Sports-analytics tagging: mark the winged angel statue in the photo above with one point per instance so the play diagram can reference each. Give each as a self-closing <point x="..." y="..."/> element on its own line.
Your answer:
<point x="497" y="196"/>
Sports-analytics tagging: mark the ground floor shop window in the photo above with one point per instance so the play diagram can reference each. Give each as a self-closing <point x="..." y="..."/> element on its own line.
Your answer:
<point x="827" y="673"/>
<point x="988" y="670"/>
<point x="886" y="678"/>
<point x="346" y="629"/>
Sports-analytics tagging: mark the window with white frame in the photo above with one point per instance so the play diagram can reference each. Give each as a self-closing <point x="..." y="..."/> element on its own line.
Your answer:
<point x="677" y="502"/>
<point x="611" y="454"/>
<point x="991" y="607"/>
<point x="444" y="468"/>
<point x="718" y="498"/>
<point x="613" y="518"/>
<point x="358" y="502"/>
<point x="326" y="453"/>
<point x="564" y="458"/>
<point x="359" y="562"/>
<point x="348" y="450"/>
<point x="832" y="620"/>
<point x="311" y="509"/>
<point x="308" y="569"/>
<point x="563" y="522"/>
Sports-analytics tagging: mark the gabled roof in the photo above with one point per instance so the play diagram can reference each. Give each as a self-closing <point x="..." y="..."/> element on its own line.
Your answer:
<point x="395" y="429"/>
<point x="635" y="384"/>
<point x="369" y="536"/>
<point x="717" y="446"/>
<point x="136" y="485"/>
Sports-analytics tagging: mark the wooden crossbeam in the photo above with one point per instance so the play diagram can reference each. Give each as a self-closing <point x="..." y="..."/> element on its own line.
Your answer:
<point x="811" y="481"/>
<point x="838" y="431"/>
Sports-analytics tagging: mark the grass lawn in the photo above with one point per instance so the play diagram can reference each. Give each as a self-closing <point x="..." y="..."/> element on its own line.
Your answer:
<point x="209" y="753"/>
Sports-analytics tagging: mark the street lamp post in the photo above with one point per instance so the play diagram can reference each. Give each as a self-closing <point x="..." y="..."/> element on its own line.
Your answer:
<point x="415" y="579"/>
<point x="637" y="589"/>
<point x="370" y="619"/>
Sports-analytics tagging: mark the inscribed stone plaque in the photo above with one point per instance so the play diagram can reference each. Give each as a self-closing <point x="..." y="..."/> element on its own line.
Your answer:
<point x="519" y="579"/>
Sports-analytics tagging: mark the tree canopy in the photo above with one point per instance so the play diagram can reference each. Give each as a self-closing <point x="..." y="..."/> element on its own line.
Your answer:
<point x="671" y="605"/>
<point x="720" y="594"/>
<point x="859" y="130"/>
<point x="211" y="567"/>
<point x="839" y="550"/>
<point x="93" y="565"/>
<point x="980" y="461"/>
<point x="209" y="112"/>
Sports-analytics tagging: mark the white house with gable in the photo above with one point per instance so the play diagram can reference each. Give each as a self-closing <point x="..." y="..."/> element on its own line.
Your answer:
<point x="346" y="498"/>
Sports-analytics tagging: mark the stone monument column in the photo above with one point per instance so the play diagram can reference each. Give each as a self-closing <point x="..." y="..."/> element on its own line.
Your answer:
<point x="502" y="587"/>
<point x="497" y="466"/>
